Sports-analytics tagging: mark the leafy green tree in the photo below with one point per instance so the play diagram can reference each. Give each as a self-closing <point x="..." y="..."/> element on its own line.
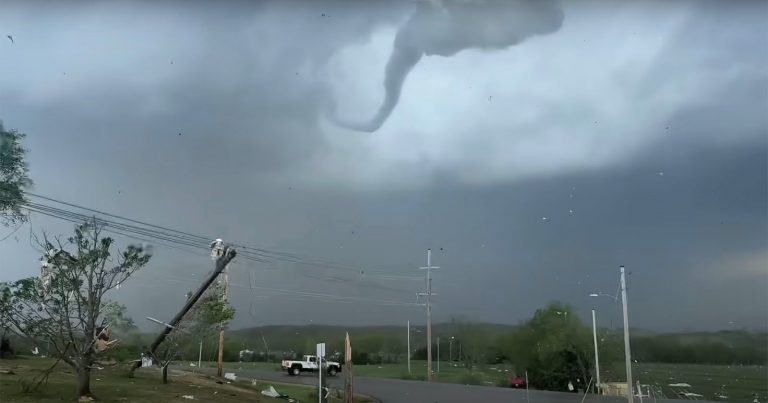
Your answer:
<point x="13" y="176"/>
<point x="554" y="346"/>
<point x="67" y="306"/>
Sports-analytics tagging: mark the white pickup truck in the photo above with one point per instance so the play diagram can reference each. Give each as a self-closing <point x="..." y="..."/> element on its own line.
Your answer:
<point x="309" y="364"/>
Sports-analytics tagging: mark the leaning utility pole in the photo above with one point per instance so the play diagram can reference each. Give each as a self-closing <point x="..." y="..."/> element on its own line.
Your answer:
<point x="227" y="255"/>
<point x="217" y="251"/>
<point x="429" y="295"/>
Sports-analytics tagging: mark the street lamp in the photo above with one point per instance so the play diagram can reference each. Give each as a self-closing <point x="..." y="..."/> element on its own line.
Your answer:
<point x="450" y="350"/>
<point x="627" y="354"/>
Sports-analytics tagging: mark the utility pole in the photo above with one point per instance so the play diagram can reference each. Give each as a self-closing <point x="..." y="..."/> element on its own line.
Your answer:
<point x="227" y="254"/>
<point x="597" y="360"/>
<point x="409" y="347"/>
<point x="438" y="353"/>
<point x="429" y="295"/>
<point x="627" y="355"/>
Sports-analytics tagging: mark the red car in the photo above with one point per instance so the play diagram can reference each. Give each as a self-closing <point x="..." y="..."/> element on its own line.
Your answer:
<point x="517" y="382"/>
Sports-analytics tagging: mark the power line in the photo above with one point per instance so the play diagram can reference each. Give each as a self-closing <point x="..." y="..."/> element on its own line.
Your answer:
<point x="164" y="233"/>
<point x="168" y="237"/>
<point x="309" y="294"/>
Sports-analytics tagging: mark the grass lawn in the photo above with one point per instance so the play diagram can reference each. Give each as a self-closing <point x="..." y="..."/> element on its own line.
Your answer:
<point x="112" y="385"/>
<point x="738" y="382"/>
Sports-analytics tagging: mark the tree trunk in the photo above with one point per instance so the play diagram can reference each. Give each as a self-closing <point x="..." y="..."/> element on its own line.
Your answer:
<point x="84" y="381"/>
<point x="165" y="374"/>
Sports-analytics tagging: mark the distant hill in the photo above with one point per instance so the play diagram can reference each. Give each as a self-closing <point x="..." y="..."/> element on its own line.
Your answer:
<point x="738" y="346"/>
<point x="392" y="338"/>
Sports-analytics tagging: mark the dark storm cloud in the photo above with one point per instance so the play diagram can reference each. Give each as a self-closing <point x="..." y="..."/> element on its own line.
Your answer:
<point x="209" y="120"/>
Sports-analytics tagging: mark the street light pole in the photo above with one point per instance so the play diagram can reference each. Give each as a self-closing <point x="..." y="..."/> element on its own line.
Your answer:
<point x="597" y="360"/>
<point x="627" y="356"/>
<point x="438" y="353"/>
<point x="409" y="347"/>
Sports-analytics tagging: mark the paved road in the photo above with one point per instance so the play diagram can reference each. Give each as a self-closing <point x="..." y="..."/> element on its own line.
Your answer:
<point x="402" y="391"/>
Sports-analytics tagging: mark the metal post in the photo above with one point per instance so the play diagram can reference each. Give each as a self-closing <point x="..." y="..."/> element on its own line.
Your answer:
<point x="450" y="349"/>
<point x="200" y="355"/>
<point x="438" y="353"/>
<point x="597" y="360"/>
<point x="409" y="347"/>
<point x="527" y="393"/>
<point x="627" y="355"/>
<point x="220" y="364"/>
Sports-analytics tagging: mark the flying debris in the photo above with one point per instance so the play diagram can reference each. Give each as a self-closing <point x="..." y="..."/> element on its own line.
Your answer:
<point x="10" y="37"/>
<point x="445" y="28"/>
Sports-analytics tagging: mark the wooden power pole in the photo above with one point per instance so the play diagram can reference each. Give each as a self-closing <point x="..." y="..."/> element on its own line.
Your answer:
<point x="429" y="295"/>
<point x="226" y="256"/>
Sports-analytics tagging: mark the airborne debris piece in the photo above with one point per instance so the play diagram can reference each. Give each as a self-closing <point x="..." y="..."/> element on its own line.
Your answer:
<point x="231" y="376"/>
<point x="10" y="37"/>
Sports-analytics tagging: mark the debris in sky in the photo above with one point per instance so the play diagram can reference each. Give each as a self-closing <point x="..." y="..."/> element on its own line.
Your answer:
<point x="661" y="173"/>
<point x="179" y="133"/>
<point x="10" y="37"/>
<point x="445" y="29"/>
<point x="544" y="218"/>
<point x="570" y="211"/>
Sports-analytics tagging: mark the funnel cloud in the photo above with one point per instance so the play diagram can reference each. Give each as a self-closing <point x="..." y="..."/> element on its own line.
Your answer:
<point x="447" y="28"/>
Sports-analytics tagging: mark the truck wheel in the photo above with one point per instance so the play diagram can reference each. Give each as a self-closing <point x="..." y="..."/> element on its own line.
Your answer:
<point x="295" y="371"/>
<point x="332" y="371"/>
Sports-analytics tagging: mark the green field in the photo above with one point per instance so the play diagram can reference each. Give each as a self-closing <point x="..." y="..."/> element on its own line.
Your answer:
<point x="112" y="385"/>
<point x="740" y="383"/>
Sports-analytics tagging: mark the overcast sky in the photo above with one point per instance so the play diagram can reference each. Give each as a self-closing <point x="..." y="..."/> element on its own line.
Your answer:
<point x="619" y="133"/>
